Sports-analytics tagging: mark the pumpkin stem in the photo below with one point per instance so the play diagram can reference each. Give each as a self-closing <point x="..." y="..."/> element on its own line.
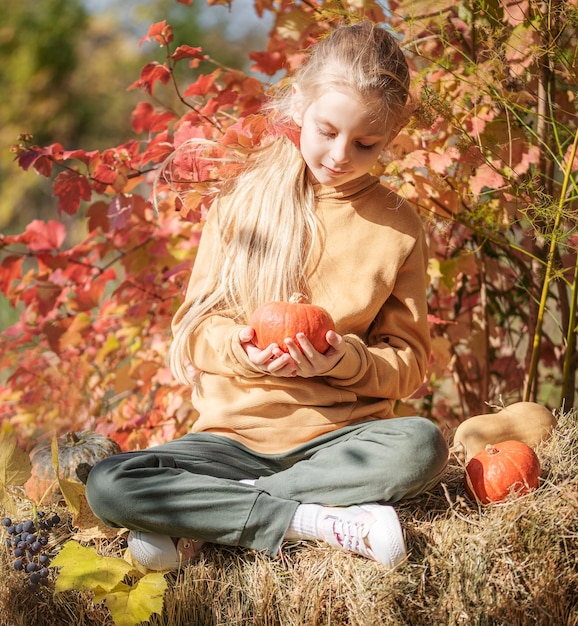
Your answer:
<point x="72" y="438"/>
<point x="297" y="298"/>
<point x="491" y="450"/>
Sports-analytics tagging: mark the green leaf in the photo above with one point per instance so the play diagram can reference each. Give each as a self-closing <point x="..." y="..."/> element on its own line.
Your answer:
<point x="132" y="605"/>
<point x="84" y="569"/>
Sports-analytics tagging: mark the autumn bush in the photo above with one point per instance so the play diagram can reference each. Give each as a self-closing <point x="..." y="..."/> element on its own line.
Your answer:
<point x="489" y="159"/>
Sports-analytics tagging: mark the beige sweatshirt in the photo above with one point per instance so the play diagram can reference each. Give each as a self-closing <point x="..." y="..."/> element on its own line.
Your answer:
<point x="372" y="280"/>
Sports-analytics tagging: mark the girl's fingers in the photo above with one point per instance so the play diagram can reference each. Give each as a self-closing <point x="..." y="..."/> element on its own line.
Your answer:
<point x="283" y="365"/>
<point x="306" y="346"/>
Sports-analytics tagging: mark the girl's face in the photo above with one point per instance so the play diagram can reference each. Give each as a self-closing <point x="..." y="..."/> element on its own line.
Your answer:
<point x="339" y="142"/>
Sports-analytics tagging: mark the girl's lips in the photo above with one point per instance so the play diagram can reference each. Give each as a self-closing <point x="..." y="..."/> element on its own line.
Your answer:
<point x="333" y="172"/>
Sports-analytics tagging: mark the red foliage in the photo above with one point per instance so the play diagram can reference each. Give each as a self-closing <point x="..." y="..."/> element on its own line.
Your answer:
<point x="89" y="349"/>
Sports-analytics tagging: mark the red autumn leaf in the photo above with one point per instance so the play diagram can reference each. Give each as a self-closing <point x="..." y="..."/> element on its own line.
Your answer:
<point x="222" y="100"/>
<point x="47" y="294"/>
<point x="158" y="149"/>
<point x="486" y="177"/>
<point x="105" y="174"/>
<point x="433" y="319"/>
<point x="41" y="158"/>
<point x="439" y="162"/>
<point x="97" y="214"/>
<point x="81" y="155"/>
<point x="29" y="157"/>
<point x="188" y="52"/>
<point x="246" y="131"/>
<point x="10" y="272"/>
<point x="531" y="156"/>
<point x="261" y="5"/>
<point x="76" y="332"/>
<point x="185" y="2"/>
<point x="187" y="130"/>
<point x="53" y="330"/>
<point x="161" y="32"/>
<point x="119" y="210"/>
<point x="269" y="63"/>
<point x="88" y="295"/>
<point x="150" y="74"/>
<point x="71" y="188"/>
<point x="45" y="236"/>
<point x="201" y="87"/>
<point x="146" y="120"/>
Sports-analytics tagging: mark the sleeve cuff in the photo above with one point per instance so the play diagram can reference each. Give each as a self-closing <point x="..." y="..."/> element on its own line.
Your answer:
<point x="238" y="356"/>
<point x="351" y="365"/>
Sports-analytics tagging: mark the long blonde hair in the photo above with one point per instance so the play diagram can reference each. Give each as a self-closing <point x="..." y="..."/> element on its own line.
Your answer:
<point x="268" y="232"/>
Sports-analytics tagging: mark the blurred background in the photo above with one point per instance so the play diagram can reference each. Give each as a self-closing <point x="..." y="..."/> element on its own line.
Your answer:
<point x="65" y="66"/>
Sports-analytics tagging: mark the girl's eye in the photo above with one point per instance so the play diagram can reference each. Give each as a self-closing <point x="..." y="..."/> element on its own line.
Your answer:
<point x="326" y="133"/>
<point x="362" y="146"/>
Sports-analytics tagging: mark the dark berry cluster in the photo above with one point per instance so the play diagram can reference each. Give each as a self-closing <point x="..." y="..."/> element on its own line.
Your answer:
<point x="28" y="541"/>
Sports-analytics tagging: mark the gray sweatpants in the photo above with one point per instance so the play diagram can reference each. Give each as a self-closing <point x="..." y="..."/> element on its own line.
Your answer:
<point x="190" y="487"/>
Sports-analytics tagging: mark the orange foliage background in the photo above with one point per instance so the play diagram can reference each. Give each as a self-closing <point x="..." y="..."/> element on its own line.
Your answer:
<point x="483" y="159"/>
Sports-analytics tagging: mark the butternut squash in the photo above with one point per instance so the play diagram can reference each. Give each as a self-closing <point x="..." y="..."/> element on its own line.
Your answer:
<point x="527" y="422"/>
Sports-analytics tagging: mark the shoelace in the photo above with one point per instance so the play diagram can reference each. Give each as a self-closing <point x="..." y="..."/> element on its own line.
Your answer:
<point x="350" y="535"/>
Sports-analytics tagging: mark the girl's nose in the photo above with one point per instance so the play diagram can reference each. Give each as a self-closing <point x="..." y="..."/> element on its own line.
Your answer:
<point x="340" y="152"/>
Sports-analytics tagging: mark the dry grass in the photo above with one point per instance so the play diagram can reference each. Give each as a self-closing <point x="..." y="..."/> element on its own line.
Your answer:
<point x="512" y="564"/>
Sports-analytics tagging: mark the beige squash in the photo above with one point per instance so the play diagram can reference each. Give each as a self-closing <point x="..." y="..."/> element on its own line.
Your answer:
<point x="528" y="422"/>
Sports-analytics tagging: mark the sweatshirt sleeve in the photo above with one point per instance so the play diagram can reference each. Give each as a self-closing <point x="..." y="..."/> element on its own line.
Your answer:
<point x="214" y="344"/>
<point x="392" y="363"/>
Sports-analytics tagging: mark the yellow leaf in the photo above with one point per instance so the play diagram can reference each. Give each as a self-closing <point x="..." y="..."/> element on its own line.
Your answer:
<point x="132" y="605"/>
<point x="292" y="24"/>
<point x="73" y="334"/>
<point x="433" y="269"/>
<point x="85" y="520"/>
<point x="71" y="491"/>
<point x="7" y="503"/>
<point x="74" y="494"/>
<point x="83" y="569"/>
<point x="15" y="466"/>
<point x="54" y="452"/>
<point x="110" y="345"/>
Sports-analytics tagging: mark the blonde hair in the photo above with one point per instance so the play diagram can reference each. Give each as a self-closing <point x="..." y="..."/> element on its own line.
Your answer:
<point x="268" y="232"/>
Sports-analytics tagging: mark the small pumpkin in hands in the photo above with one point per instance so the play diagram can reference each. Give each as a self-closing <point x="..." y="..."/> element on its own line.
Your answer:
<point x="78" y="452"/>
<point x="275" y="321"/>
<point x="501" y="469"/>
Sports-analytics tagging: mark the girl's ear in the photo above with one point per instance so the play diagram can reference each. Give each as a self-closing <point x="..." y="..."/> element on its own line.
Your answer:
<point x="297" y="105"/>
<point x="394" y="133"/>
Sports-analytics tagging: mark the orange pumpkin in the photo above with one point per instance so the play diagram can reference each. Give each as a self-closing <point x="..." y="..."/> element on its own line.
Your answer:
<point x="78" y="452"/>
<point x="275" y="321"/>
<point x="501" y="469"/>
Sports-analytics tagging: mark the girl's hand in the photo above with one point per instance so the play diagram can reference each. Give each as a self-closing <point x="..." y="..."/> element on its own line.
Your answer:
<point x="272" y="360"/>
<point x="302" y="359"/>
<point x="308" y="361"/>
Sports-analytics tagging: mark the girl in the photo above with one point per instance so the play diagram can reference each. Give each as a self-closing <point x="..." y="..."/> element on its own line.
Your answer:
<point x="297" y="444"/>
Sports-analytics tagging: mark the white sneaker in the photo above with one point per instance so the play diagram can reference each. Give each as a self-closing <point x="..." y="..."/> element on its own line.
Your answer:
<point x="372" y="530"/>
<point x="161" y="552"/>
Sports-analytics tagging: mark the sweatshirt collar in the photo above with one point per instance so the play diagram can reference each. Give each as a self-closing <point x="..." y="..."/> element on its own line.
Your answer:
<point x="343" y="192"/>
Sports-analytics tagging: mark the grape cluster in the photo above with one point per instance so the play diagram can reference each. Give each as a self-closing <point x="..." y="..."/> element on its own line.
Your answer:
<point x="28" y="541"/>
